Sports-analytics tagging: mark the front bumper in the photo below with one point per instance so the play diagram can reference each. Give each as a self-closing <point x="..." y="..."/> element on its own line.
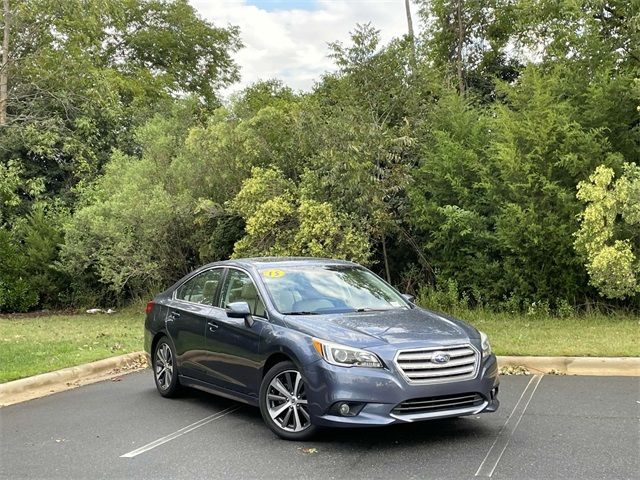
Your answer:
<point x="382" y="390"/>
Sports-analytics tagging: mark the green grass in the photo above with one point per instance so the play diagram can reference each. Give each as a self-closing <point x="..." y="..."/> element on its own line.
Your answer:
<point x="32" y="345"/>
<point x="589" y="335"/>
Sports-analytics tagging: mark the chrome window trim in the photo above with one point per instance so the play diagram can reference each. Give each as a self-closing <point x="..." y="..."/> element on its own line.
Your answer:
<point x="437" y="380"/>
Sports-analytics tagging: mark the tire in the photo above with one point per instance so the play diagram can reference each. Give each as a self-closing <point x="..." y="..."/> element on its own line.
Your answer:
<point x="285" y="414"/>
<point x="165" y="371"/>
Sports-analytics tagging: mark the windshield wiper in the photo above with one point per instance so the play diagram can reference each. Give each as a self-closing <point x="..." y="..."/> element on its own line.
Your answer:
<point x="365" y="309"/>
<point x="301" y="313"/>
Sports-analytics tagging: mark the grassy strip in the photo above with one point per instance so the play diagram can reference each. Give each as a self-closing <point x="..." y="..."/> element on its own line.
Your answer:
<point x="588" y="336"/>
<point x="32" y="345"/>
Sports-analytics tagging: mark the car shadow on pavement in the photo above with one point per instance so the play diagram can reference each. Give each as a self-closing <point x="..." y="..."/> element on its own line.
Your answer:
<point x="423" y="433"/>
<point x="419" y="433"/>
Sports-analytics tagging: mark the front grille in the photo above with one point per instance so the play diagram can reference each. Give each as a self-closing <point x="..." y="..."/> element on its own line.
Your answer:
<point x="436" y="404"/>
<point x="418" y="365"/>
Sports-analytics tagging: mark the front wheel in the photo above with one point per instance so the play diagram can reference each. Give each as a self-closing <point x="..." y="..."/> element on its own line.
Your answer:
<point x="165" y="371"/>
<point x="283" y="403"/>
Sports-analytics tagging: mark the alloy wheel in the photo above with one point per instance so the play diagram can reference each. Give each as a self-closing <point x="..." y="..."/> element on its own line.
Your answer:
<point x="287" y="402"/>
<point x="164" y="366"/>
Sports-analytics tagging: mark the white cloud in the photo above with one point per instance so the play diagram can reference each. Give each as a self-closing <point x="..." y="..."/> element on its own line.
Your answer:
<point x="292" y="44"/>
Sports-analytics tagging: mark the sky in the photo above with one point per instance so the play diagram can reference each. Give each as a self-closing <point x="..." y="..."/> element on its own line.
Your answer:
<point x="287" y="39"/>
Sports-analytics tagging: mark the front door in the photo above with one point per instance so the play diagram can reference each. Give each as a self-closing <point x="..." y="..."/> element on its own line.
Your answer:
<point x="233" y="358"/>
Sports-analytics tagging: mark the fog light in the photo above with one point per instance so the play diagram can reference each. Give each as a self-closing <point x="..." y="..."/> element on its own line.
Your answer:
<point x="346" y="409"/>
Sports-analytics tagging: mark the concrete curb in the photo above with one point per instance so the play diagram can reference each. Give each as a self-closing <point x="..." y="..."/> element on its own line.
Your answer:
<point x="599" y="366"/>
<point x="72" y="377"/>
<point x="67" y="378"/>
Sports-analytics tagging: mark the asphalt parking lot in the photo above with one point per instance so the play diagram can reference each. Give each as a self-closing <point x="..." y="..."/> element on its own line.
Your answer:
<point x="547" y="427"/>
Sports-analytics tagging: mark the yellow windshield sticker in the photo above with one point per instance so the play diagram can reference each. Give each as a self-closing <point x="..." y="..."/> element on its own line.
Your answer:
<point x="273" y="273"/>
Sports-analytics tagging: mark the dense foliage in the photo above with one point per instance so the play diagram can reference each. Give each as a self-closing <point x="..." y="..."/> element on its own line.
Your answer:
<point x="492" y="160"/>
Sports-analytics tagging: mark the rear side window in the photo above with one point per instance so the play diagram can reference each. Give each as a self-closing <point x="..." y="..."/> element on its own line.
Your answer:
<point x="201" y="288"/>
<point x="238" y="287"/>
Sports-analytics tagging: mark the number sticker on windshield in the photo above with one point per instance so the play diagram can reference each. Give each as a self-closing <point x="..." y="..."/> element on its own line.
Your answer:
<point x="273" y="273"/>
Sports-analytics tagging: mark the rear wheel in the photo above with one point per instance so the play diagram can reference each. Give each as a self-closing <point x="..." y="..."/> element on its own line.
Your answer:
<point x="283" y="403"/>
<point x="165" y="371"/>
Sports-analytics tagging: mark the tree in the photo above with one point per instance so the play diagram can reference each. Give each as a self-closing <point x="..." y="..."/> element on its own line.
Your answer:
<point x="280" y="220"/>
<point x="84" y="74"/>
<point x="85" y="79"/>
<point x="448" y="159"/>
<point x="609" y="234"/>
<point x="467" y="40"/>
<point x="363" y="165"/>
<point x="4" y="66"/>
<point x="133" y="227"/>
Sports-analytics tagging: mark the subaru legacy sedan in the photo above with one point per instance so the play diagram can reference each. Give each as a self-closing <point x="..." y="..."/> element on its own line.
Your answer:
<point x="316" y="343"/>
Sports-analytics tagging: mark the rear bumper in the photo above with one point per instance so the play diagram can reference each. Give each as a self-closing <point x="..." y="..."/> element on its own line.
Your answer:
<point x="382" y="390"/>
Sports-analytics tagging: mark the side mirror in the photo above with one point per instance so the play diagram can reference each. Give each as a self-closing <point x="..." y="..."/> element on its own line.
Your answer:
<point x="408" y="298"/>
<point x="240" y="310"/>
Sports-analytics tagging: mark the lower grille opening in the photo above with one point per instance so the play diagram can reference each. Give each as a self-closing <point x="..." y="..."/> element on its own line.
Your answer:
<point x="436" y="404"/>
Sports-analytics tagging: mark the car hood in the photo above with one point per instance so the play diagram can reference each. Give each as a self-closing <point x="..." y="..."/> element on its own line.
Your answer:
<point x="390" y="327"/>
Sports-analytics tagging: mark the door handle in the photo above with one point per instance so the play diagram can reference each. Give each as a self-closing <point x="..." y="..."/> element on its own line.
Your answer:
<point x="172" y="316"/>
<point x="212" y="326"/>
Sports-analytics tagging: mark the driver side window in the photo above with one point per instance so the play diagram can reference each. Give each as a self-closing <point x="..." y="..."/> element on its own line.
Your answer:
<point x="238" y="287"/>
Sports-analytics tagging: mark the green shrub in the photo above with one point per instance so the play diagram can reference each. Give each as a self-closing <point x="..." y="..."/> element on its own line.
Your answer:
<point x="445" y="297"/>
<point x="17" y="296"/>
<point x="564" y="309"/>
<point x="16" y="293"/>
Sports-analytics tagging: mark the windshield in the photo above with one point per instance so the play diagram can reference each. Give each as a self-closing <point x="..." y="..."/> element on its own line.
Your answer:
<point x="308" y="290"/>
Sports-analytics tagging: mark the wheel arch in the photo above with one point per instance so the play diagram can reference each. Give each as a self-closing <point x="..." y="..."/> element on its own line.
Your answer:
<point x="154" y="342"/>
<point x="274" y="359"/>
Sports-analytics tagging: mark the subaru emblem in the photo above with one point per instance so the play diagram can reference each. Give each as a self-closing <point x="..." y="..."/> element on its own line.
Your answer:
<point x="440" y="358"/>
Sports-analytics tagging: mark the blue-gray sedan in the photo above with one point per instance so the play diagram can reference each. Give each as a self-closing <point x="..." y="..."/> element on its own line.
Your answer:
<point x="316" y="343"/>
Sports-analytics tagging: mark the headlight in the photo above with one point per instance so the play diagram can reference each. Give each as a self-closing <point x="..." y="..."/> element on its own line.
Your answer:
<point x="484" y="343"/>
<point x="346" y="356"/>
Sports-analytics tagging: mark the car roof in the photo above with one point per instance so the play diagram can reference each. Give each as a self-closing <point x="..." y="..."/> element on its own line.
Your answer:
<point x="265" y="262"/>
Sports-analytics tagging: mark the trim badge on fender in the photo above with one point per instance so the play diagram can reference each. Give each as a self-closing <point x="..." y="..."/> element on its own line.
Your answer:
<point x="440" y="358"/>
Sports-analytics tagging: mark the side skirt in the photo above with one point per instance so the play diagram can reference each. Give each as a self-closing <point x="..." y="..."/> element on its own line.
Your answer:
<point x="222" y="392"/>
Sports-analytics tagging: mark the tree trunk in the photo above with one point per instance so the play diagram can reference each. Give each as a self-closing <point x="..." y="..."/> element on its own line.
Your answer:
<point x="409" y="21"/>
<point x="459" y="47"/>
<point x="421" y="258"/>
<point x="4" y="68"/>
<point x="412" y="59"/>
<point x="386" y="259"/>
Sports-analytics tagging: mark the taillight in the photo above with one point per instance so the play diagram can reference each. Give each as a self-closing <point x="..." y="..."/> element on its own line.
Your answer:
<point x="149" y="307"/>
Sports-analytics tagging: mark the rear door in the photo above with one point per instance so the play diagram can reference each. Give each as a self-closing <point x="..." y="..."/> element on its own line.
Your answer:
<point x="233" y="361"/>
<point x="190" y="310"/>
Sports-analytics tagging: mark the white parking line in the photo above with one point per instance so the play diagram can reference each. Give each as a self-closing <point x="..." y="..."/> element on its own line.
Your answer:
<point x="180" y="432"/>
<point x="491" y="460"/>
